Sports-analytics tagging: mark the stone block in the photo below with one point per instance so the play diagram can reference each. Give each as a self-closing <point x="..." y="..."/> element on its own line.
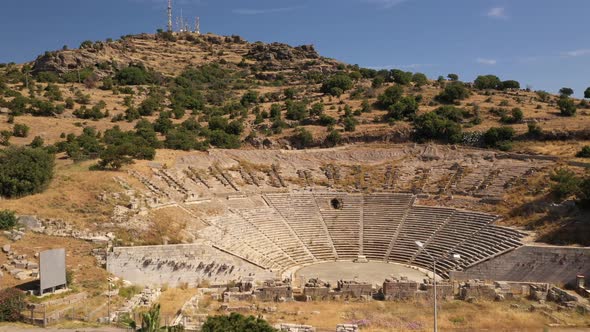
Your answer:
<point x="6" y="248"/>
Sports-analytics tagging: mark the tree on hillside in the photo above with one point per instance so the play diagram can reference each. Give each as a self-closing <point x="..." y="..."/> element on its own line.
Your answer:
<point x="236" y="323"/>
<point x="337" y="84"/>
<point x="401" y="77"/>
<point x="587" y="93"/>
<point x="453" y="77"/>
<point x="390" y="96"/>
<point x="24" y="171"/>
<point x="420" y="79"/>
<point x="566" y="91"/>
<point x="510" y="84"/>
<point x="567" y="106"/>
<point x="498" y="137"/>
<point x="435" y="126"/>
<point x="485" y="82"/>
<point x="453" y="92"/>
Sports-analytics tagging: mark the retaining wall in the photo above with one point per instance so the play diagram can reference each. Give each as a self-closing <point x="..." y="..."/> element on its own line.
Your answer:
<point x="177" y="264"/>
<point x="559" y="265"/>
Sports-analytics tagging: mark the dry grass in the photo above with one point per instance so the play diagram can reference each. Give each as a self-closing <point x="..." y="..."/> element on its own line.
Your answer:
<point x="72" y="196"/>
<point x="172" y="300"/>
<point x="396" y="316"/>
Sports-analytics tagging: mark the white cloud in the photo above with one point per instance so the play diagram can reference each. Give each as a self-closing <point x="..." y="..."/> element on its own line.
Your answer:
<point x="387" y="3"/>
<point x="577" y="53"/>
<point x="489" y="62"/>
<point x="497" y="13"/>
<point x="250" y="11"/>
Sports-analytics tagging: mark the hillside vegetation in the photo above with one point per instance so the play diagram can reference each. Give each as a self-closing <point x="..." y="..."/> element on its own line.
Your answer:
<point x="108" y="104"/>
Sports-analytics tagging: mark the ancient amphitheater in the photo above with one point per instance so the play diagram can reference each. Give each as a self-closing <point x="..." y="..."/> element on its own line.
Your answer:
<point x="286" y="211"/>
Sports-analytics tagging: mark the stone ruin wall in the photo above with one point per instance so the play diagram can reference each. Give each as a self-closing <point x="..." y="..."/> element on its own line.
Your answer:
<point x="549" y="264"/>
<point x="174" y="265"/>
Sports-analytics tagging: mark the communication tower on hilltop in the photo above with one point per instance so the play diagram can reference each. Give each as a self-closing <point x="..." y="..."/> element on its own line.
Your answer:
<point x="198" y="26"/>
<point x="169" y="15"/>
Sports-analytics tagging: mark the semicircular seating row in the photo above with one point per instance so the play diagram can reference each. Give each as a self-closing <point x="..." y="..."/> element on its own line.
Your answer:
<point x="304" y="228"/>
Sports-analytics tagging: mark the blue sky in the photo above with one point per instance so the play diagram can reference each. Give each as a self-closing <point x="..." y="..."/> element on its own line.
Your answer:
<point x="542" y="43"/>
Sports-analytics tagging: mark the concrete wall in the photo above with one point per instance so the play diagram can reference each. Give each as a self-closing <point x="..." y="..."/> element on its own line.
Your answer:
<point x="177" y="264"/>
<point x="549" y="264"/>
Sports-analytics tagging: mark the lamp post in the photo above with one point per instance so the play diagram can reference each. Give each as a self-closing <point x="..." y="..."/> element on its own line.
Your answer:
<point x="455" y="257"/>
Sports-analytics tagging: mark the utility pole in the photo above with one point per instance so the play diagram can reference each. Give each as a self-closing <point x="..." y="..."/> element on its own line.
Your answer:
<point x="169" y="15"/>
<point x="455" y="257"/>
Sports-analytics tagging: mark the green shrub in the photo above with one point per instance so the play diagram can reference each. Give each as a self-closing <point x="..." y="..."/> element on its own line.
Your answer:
<point x="565" y="183"/>
<point x="236" y="323"/>
<point x="584" y="153"/>
<point x="406" y="107"/>
<point x="129" y="292"/>
<point x="135" y="74"/>
<point x="12" y="304"/>
<point x="24" y="171"/>
<point x="350" y="123"/>
<point x="296" y="110"/>
<point x="438" y="127"/>
<point x="337" y="84"/>
<point x="7" y="219"/>
<point x="302" y="138"/>
<point x="567" y="106"/>
<point x="390" y="96"/>
<point x="534" y="130"/>
<point x="333" y="139"/>
<point x="498" y="137"/>
<point x="453" y="92"/>
<point x="20" y="130"/>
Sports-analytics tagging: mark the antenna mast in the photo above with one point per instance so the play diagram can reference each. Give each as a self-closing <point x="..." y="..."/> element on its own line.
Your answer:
<point x="198" y="26"/>
<point x="169" y="15"/>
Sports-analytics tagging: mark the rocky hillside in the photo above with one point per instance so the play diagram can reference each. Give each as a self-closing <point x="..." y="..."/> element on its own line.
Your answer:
<point x="110" y="103"/>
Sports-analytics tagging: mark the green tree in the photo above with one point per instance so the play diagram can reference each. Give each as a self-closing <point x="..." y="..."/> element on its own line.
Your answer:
<point x="437" y="127"/>
<point x="37" y="142"/>
<point x="249" y="98"/>
<point x="333" y="139"/>
<point x="587" y="93"/>
<point x="337" y="84"/>
<point x="302" y="139"/>
<point x="510" y="84"/>
<point x="567" y="106"/>
<point x="135" y="74"/>
<point x="498" y="136"/>
<point x="420" y="79"/>
<point x="566" y="92"/>
<point x="296" y="110"/>
<point x="390" y="96"/>
<point x="406" y="107"/>
<point x="453" y="92"/>
<point x="12" y="303"/>
<point x="484" y="82"/>
<point x="7" y="220"/>
<point x="236" y="323"/>
<point x="401" y="77"/>
<point x="24" y="171"/>
<point x="350" y="123"/>
<point x="453" y="77"/>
